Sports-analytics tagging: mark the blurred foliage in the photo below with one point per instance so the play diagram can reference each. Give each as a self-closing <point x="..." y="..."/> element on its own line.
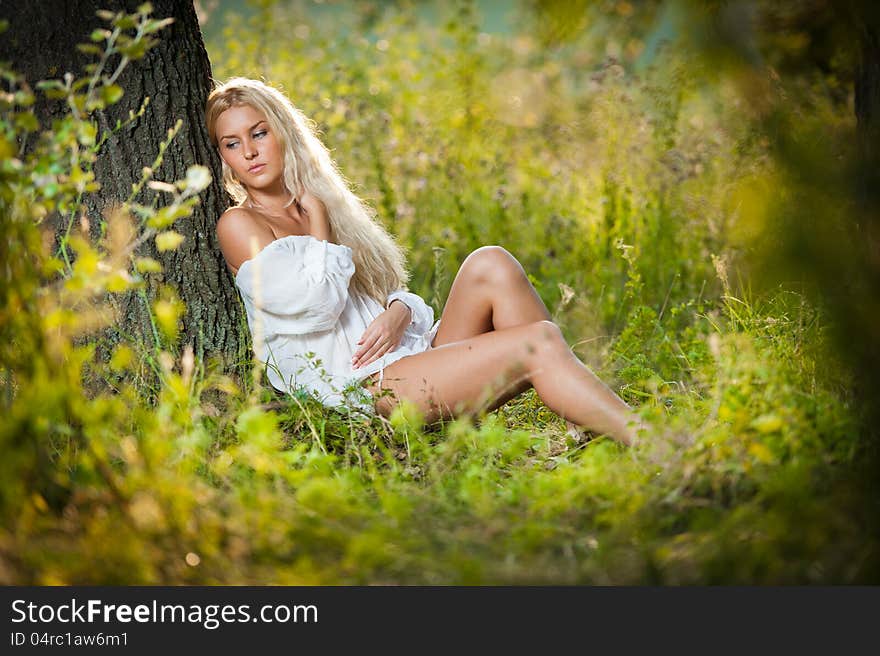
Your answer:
<point x="641" y="178"/>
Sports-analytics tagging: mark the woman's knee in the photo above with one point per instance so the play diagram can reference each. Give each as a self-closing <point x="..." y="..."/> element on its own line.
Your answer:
<point x="494" y="265"/>
<point x="543" y="340"/>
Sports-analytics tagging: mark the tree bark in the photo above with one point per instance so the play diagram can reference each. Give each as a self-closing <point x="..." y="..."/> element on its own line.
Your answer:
<point x="176" y="75"/>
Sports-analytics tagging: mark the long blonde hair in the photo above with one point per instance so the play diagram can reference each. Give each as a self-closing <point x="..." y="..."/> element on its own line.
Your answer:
<point x="379" y="261"/>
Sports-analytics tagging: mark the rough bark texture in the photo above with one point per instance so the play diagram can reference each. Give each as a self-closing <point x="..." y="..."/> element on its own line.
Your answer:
<point x="176" y="75"/>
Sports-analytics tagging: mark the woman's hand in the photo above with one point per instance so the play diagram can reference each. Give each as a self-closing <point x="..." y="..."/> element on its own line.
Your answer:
<point x="314" y="211"/>
<point x="383" y="335"/>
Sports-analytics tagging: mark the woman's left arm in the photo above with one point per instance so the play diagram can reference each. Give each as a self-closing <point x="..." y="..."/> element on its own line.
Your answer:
<point x="422" y="313"/>
<point x="383" y="335"/>
<point x="404" y="310"/>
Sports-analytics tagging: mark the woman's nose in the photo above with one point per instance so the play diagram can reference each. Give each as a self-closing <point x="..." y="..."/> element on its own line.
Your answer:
<point x="250" y="150"/>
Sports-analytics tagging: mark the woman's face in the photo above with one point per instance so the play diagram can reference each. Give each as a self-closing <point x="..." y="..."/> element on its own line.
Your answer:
<point x="249" y="147"/>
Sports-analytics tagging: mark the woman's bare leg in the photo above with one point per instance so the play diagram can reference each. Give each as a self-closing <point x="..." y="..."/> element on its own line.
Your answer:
<point x="480" y="373"/>
<point x="491" y="291"/>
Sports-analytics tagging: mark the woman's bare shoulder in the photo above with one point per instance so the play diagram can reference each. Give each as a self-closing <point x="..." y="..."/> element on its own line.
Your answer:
<point x="235" y="228"/>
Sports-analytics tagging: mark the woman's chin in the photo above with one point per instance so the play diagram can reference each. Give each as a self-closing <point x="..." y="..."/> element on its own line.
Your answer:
<point x="263" y="182"/>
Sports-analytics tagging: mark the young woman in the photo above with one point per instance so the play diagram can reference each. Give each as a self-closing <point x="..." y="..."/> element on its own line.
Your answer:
<point x="324" y="289"/>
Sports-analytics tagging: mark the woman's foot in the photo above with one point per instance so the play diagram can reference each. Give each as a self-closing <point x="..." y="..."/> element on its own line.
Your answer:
<point x="636" y="431"/>
<point x="579" y="435"/>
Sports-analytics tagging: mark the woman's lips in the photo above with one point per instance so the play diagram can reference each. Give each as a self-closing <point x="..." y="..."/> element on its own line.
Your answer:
<point x="257" y="168"/>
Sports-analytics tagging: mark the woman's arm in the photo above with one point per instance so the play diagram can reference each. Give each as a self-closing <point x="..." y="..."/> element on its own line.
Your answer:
<point x="383" y="335"/>
<point x="238" y="234"/>
<point x="421" y="314"/>
<point x="311" y="207"/>
<point x="386" y="331"/>
<point x="300" y="284"/>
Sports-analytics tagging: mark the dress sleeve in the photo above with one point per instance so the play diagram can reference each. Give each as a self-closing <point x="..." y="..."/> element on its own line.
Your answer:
<point x="300" y="283"/>
<point x="422" y="313"/>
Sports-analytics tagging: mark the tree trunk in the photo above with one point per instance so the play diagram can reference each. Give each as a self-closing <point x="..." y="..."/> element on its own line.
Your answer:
<point x="41" y="43"/>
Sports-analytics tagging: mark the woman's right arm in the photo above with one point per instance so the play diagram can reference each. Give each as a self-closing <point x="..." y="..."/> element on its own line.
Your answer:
<point x="238" y="234"/>
<point x="302" y="284"/>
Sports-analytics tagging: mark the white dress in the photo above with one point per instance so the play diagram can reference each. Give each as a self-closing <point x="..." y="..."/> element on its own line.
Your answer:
<point x="305" y="321"/>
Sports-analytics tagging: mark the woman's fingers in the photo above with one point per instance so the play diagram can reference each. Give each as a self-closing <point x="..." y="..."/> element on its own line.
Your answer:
<point x="366" y="343"/>
<point x="378" y="348"/>
<point x="381" y="336"/>
<point x="372" y="342"/>
<point x="366" y="336"/>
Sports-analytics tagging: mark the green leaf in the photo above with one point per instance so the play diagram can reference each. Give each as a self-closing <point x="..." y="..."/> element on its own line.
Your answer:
<point x="7" y="149"/>
<point x="27" y="122"/>
<point x="168" y="215"/>
<point x="23" y="98"/>
<point x="52" y="266"/>
<point x="122" y="358"/>
<point x="135" y="51"/>
<point x="55" y="94"/>
<point x="79" y="178"/>
<point x="147" y="265"/>
<point x="100" y="35"/>
<point x="167" y="313"/>
<point x="118" y="281"/>
<point x="141" y="210"/>
<point x="156" y="25"/>
<point x="95" y="103"/>
<point x="125" y="22"/>
<point x="111" y="93"/>
<point x="89" y="48"/>
<point x="45" y="85"/>
<point x="168" y="240"/>
<point x="86" y="133"/>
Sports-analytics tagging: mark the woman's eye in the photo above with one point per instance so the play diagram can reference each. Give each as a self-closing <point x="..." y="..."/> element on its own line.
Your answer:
<point x="231" y="144"/>
<point x="260" y="134"/>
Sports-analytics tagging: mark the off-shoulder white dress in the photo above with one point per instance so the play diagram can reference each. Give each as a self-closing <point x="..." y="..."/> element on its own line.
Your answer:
<point x="305" y="320"/>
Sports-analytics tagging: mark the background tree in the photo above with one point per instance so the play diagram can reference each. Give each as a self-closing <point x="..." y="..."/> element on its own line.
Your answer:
<point x="173" y="79"/>
<point x="826" y="233"/>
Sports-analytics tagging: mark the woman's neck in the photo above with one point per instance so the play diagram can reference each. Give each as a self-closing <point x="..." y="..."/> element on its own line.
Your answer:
<point x="274" y="202"/>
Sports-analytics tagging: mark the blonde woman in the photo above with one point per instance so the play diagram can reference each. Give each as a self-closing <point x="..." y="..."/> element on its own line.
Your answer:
<point x="324" y="287"/>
